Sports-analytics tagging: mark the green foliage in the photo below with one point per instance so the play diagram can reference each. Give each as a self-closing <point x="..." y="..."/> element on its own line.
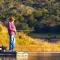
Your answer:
<point x="0" y="29"/>
<point x="21" y="19"/>
<point x="0" y="17"/>
<point x="28" y="16"/>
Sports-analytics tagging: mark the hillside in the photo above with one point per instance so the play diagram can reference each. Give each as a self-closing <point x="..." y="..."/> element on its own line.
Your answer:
<point x="26" y="43"/>
<point x="31" y="15"/>
<point x="2" y="27"/>
<point x="38" y="15"/>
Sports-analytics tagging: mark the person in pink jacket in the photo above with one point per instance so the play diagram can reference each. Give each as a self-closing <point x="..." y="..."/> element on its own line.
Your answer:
<point x="12" y="33"/>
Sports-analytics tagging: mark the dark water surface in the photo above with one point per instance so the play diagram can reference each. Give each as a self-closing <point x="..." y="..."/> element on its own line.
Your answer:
<point x="7" y="58"/>
<point x="55" y="56"/>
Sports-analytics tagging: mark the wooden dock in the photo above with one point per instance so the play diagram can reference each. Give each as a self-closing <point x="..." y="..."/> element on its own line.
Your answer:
<point x="7" y="53"/>
<point x="14" y="53"/>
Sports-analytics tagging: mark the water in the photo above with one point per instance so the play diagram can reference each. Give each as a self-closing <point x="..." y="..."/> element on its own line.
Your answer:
<point x="37" y="56"/>
<point x="7" y="58"/>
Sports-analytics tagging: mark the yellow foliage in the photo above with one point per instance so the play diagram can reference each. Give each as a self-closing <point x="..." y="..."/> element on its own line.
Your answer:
<point x="26" y="43"/>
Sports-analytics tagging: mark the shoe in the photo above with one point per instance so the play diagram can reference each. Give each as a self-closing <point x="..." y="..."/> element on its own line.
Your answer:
<point x="10" y="50"/>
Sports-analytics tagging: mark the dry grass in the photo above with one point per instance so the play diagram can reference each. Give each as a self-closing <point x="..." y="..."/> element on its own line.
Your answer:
<point x="26" y="43"/>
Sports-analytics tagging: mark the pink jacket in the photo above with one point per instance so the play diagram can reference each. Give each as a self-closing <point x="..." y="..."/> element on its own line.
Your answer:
<point x="11" y="26"/>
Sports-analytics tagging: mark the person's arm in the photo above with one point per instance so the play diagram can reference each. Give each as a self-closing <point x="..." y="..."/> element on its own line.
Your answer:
<point x="14" y="29"/>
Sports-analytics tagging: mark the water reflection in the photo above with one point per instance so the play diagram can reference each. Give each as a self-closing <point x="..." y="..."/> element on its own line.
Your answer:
<point x="7" y="58"/>
<point x="44" y="57"/>
<point x="33" y="57"/>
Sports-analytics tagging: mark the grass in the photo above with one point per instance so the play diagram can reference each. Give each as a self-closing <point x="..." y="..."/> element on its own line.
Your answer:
<point x="28" y="44"/>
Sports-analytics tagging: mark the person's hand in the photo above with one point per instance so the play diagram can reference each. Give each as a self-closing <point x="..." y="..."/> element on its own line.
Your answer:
<point x="14" y="30"/>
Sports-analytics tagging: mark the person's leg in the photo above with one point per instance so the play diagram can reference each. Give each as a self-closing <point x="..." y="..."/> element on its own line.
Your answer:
<point x="12" y="40"/>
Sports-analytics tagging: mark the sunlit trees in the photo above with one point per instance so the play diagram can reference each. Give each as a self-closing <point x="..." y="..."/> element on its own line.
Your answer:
<point x="30" y="14"/>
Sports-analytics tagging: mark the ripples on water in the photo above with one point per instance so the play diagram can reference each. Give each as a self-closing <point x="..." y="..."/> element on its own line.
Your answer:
<point x="33" y="57"/>
<point x="7" y="58"/>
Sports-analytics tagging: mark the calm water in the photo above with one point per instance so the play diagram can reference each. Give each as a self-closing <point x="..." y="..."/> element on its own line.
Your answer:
<point x="7" y="58"/>
<point x="33" y="57"/>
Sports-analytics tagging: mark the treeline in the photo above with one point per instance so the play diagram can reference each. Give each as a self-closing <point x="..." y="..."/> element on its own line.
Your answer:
<point x="32" y="15"/>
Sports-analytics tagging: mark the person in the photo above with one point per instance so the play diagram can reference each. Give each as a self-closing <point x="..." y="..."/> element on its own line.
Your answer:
<point x="12" y="33"/>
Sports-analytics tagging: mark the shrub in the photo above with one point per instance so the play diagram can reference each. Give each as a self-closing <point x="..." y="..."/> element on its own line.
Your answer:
<point x="0" y="29"/>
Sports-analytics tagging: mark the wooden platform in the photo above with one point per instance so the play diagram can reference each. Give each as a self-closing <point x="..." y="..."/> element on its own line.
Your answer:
<point x="14" y="53"/>
<point x="8" y="53"/>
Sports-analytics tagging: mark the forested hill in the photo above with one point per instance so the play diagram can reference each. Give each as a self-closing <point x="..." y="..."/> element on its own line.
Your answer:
<point x="36" y="15"/>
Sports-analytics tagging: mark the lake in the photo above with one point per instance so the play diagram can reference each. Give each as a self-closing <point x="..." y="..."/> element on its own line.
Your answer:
<point x="33" y="56"/>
